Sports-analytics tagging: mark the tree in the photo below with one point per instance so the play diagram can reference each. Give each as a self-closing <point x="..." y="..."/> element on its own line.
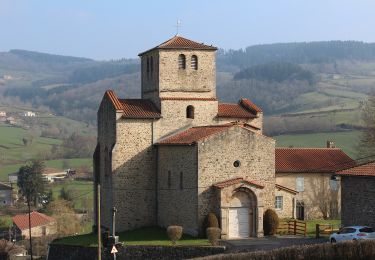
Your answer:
<point x="30" y="180"/>
<point x="366" y="145"/>
<point x="67" y="221"/>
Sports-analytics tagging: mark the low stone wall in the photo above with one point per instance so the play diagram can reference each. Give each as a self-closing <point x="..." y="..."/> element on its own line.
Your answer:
<point x="64" y="252"/>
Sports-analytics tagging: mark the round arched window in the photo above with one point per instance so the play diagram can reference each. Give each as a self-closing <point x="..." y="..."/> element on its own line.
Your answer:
<point x="182" y="62"/>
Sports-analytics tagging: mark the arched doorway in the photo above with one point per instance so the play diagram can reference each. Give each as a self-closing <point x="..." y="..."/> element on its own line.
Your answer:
<point x="242" y="214"/>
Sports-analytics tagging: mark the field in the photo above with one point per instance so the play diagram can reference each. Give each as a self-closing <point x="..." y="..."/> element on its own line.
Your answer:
<point x="58" y="164"/>
<point x="347" y="141"/>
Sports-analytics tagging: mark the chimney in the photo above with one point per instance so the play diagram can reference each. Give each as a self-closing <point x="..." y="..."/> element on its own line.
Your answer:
<point x="331" y="144"/>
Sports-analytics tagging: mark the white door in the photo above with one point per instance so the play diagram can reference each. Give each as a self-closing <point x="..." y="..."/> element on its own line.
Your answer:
<point x="239" y="222"/>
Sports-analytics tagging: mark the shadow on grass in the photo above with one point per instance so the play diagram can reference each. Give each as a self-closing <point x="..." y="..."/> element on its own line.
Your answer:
<point x="152" y="236"/>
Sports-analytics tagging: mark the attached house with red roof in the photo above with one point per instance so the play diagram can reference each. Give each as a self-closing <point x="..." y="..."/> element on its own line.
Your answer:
<point x="357" y="195"/>
<point x="311" y="173"/>
<point x="177" y="153"/>
<point x="41" y="225"/>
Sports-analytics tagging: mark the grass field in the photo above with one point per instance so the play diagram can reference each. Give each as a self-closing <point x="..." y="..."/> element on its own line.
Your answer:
<point x="347" y="141"/>
<point x="143" y="236"/>
<point x="58" y="164"/>
<point x="81" y="192"/>
<point x="13" y="149"/>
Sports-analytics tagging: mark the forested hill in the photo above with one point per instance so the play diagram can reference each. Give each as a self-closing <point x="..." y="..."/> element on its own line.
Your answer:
<point x="281" y="78"/>
<point x="302" y="52"/>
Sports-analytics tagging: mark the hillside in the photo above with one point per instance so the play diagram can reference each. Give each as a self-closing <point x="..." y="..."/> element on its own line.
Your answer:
<point x="319" y="82"/>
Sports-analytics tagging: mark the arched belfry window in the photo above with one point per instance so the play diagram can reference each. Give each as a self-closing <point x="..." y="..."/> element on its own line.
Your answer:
<point x="190" y="112"/>
<point x="194" y="62"/>
<point x="181" y="61"/>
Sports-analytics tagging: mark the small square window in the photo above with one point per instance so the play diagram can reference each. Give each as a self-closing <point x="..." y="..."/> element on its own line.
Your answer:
<point x="279" y="202"/>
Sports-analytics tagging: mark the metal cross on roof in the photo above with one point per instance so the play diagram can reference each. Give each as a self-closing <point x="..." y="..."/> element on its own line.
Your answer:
<point x="178" y="25"/>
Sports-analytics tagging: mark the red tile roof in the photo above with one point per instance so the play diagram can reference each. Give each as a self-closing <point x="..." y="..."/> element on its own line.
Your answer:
<point x="112" y="96"/>
<point x="37" y="219"/>
<point x="230" y="182"/>
<point x="309" y="160"/>
<point x="178" y="42"/>
<point x="244" y="109"/>
<point x="133" y="108"/>
<point x="281" y="187"/>
<point x="188" y="98"/>
<point x="139" y="108"/>
<point x="194" y="134"/>
<point x="366" y="169"/>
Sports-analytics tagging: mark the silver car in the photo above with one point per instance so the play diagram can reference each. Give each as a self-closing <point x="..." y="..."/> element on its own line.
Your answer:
<point x="352" y="233"/>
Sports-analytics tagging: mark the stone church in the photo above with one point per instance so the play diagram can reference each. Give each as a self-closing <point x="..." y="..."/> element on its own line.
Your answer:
<point x="177" y="153"/>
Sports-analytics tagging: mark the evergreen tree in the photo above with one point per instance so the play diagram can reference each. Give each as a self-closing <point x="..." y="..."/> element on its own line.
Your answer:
<point x="30" y="180"/>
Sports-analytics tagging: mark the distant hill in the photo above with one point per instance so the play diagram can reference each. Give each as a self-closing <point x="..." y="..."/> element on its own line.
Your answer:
<point x="283" y="78"/>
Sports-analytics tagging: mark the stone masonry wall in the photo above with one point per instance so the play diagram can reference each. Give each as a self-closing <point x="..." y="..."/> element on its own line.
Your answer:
<point x="288" y="206"/>
<point x="134" y="167"/>
<point x="177" y="198"/>
<point x="106" y="140"/>
<point x="357" y="202"/>
<point x="217" y="155"/>
<point x="316" y="191"/>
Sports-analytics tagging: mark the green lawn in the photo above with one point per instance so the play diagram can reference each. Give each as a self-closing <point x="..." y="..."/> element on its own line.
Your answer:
<point x="143" y="236"/>
<point x="344" y="140"/>
<point x="13" y="149"/>
<point x="81" y="191"/>
<point x="5" y="222"/>
<point x="73" y="163"/>
<point x="311" y="225"/>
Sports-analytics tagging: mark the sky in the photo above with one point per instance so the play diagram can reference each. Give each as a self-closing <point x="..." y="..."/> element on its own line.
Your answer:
<point x="115" y="29"/>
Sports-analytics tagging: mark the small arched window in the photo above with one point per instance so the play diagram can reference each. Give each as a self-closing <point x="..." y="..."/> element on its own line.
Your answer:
<point x="190" y="112"/>
<point x="181" y="62"/>
<point x="151" y="65"/>
<point x="194" y="62"/>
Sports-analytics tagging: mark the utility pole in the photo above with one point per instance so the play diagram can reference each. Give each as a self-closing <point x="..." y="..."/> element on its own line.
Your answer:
<point x="114" y="210"/>
<point x="98" y="222"/>
<point x="31" y="245"/>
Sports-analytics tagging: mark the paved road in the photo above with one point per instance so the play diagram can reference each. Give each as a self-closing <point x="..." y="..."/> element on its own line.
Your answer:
<point x="268" y="243"/>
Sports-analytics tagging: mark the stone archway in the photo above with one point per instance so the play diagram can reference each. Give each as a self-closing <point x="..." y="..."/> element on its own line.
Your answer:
<point x="242" y="214"/>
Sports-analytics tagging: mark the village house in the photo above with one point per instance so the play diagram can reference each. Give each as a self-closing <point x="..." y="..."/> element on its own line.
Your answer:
<point x="177" y="154"/>
<point x="3" y="114"/>
<point x="357" y="195"/>
<point x="13" y="177"/>
<point x="52" y="174"/>
<point x="5" y="194"/>
<point x="41" y="225"/>
<point x="311" y="173"/>
<point x="29" y="114"/>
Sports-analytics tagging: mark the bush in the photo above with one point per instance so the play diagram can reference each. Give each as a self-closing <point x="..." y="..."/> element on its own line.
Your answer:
<point x="270" y="222"/>
<point x="210" y="221"/>
<point x="174" y="233"/>
<point x="213" y="235"/>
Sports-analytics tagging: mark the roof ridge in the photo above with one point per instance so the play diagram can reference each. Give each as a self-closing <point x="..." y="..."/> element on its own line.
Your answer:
<point x="317" y="148"/>
<point x="355" y="166"/>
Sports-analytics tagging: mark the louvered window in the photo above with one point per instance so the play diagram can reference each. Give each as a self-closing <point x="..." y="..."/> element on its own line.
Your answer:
<point x="194" y="62"/>
<point x="181" y="62"/>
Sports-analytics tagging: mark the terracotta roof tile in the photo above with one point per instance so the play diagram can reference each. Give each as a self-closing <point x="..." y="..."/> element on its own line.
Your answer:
<point x="112" y="96"/>
<point x="178" y="42"/>
<point x="234" y="111"/>
<point x="281" y="187"/>
<point x="250" y="105"/>
<point x="194" y="134"/>
<point x="366" y="169"/>
<point x="37" y="219"/>
<point x="230" y="182"/>
<point x="289" y="160"/>
<point x="139" y="108"/>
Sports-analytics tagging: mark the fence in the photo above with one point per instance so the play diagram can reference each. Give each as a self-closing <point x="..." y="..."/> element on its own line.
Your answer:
<point x="292" y="227"/>
<point x="325" y="229"/>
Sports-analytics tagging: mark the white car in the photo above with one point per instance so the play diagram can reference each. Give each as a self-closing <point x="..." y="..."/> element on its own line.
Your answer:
<point x="352" y="233"/>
